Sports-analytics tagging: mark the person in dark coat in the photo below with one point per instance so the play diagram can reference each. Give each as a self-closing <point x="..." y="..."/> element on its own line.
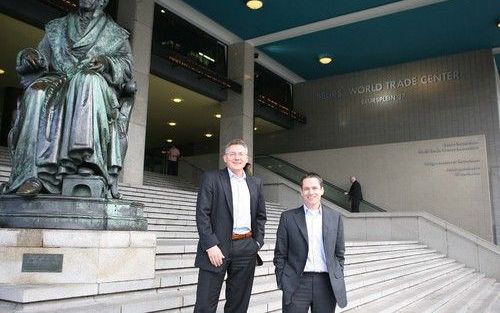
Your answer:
<point x="355" y="195"/>
<point x="309" y="254"/>
<point x="231" y="217"/>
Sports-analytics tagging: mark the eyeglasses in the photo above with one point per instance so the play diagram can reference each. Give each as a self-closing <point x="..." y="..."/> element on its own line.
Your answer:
<point x="234" y="154"/>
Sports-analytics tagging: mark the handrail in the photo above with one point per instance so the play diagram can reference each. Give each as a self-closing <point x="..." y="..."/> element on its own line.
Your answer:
<point x="196" y="173"/>
<point x="332" y="193"/>
<point x="197" y="168"/>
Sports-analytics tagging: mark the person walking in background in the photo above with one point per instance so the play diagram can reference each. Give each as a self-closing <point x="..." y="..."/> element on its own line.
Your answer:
<point x="248" y="169"/>
<point x="173" y="155"/>
<point x="230" y="217"/>
<point x="355" y="194"/>
<point x="309" y="254"/>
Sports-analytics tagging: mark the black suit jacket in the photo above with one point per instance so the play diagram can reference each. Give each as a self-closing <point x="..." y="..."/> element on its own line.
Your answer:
<point x="214" y="214"/>
<point x="355" y="191"/>
<point x="290" y="254"/>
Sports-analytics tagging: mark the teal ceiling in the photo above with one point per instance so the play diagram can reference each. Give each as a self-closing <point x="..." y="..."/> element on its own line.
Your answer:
<point x="276" y="15"/>
<point x="442" y="28"/>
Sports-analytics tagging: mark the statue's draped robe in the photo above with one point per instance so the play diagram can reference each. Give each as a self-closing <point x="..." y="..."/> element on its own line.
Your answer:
<point x="66" y="116"/>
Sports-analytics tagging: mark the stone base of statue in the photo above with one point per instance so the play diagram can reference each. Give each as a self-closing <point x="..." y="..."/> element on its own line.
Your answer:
<point x="52" y="256"/>
<point x="70" y="212"/>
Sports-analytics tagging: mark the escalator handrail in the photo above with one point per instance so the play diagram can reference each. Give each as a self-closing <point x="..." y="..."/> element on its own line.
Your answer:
<point x="329" y="184"/>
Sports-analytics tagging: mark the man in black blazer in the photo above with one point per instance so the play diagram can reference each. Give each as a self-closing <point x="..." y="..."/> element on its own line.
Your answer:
<point x="355" y="195"/>
<point x="309" y="254"/>
<point x="230" y="216"/>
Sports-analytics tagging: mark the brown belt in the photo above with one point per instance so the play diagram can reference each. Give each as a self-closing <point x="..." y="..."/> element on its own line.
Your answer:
<point x="241" y="236"/>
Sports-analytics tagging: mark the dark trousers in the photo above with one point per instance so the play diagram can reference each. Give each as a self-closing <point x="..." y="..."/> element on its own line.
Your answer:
<point x="355" y="205"/>
<point x="314" y="291"/>
<point x="172" y="168"/>
<point x="240" y="268"/>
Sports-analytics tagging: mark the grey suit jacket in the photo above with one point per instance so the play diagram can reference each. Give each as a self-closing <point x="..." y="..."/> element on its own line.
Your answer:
<point x="290" y="254"/>
<point x="214" y="215"/>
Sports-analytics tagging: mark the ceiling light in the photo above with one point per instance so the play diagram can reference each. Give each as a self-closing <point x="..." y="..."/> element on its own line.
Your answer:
<point x="162" y="11"/>
<point x="169" y="140"/>
<point x="254" y="4"/>
<point x="208" y="135"/>
<point x="218" y="115"/>
<point x="2" y="71"/>
<point x="172" y="123"/>
<point x="206" y="57"/>
<point x="255" y="128"/>
<point x="325" y="59"/>
<point x="177" y="100"/>
<point x="498" y="24"/>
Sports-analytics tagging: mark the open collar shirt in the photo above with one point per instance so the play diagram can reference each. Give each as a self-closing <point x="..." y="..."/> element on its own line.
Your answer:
<point x="241" y="203"/>
<point x="316" y="260"/>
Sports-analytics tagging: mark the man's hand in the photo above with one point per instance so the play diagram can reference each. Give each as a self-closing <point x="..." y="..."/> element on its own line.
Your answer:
<point x="215" y="255"/>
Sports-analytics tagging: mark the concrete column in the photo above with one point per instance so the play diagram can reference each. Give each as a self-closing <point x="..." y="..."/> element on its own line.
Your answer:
<point x="237" y="110"/>
<point x="137" y="17"/>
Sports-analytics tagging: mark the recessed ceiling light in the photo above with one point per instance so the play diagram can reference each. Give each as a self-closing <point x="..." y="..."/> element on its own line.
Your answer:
<point x="162" y="11"/>
<point x="177" y="100"/>
<point x="169" y="140"/>
<point x="172" y="123"/>
<point x="2" y="71"/>
<point x="325" y="59"/>
<point x="255" y="128"/>
<point x="208" y="135"/>
<point x="218" y="115"/>
<point x="254" y="4"/>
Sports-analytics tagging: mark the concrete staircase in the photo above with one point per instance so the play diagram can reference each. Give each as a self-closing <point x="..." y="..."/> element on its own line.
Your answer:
<point x="394" y="276"/>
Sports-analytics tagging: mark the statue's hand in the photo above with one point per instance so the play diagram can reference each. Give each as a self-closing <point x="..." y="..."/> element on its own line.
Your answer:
<point x="99" y="64"/>
<point x="115" y="113"/>
<point x="30" y="61"/>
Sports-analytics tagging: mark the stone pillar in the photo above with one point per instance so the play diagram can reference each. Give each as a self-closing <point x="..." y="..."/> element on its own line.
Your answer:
<point x="237" y="110"/>
<point x="137" y="17"/>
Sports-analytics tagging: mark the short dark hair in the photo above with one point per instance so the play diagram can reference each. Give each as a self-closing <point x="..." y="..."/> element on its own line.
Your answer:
<point x="235" y="142"/>
<point x="312" y="175"/>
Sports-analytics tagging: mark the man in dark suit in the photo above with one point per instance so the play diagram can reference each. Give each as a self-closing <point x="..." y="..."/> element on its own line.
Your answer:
<point x="355" y="195"/>
<point x="309" y="254"/>
<point x="230" y="216"/>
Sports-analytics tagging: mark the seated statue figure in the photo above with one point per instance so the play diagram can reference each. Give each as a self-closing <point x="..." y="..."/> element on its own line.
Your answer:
<point x="71" y="118"/>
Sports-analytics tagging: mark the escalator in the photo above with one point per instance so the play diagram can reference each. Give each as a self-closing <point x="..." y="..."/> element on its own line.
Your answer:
<point x="294" y="174"/>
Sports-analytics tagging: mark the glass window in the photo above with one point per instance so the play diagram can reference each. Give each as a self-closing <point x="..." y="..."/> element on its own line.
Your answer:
<point x="272" y="86"/>
<point x="172" y="34"/>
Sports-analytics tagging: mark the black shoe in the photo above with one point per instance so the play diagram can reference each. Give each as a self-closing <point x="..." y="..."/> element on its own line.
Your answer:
<point x="85" y="171"/>
<point x="30" y="188"/>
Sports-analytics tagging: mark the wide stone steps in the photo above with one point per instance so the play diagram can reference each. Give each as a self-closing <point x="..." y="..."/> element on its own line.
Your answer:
<point x="436" y="299"/>
<point x="387" y="276"/>
<point x="483" y="296"/>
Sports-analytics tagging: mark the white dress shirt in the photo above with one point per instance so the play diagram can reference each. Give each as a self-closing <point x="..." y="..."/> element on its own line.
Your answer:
<point x="242" y="222"/>
<point x="316" y="261"/>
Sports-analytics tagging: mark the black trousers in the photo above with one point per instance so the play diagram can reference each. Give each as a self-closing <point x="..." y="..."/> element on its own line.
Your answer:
<point x="240" y="268"/>
<point x="314" y="291"/>
<point x="172" y="168"/>
<point x="355" y="205"/>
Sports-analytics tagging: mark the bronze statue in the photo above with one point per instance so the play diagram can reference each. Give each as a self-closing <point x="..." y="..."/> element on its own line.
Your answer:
<point x="73" y="116"/>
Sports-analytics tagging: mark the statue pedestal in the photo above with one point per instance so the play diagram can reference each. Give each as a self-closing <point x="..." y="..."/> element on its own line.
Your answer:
<point x="65" y="212"/>
<point x="49" y="256"/>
